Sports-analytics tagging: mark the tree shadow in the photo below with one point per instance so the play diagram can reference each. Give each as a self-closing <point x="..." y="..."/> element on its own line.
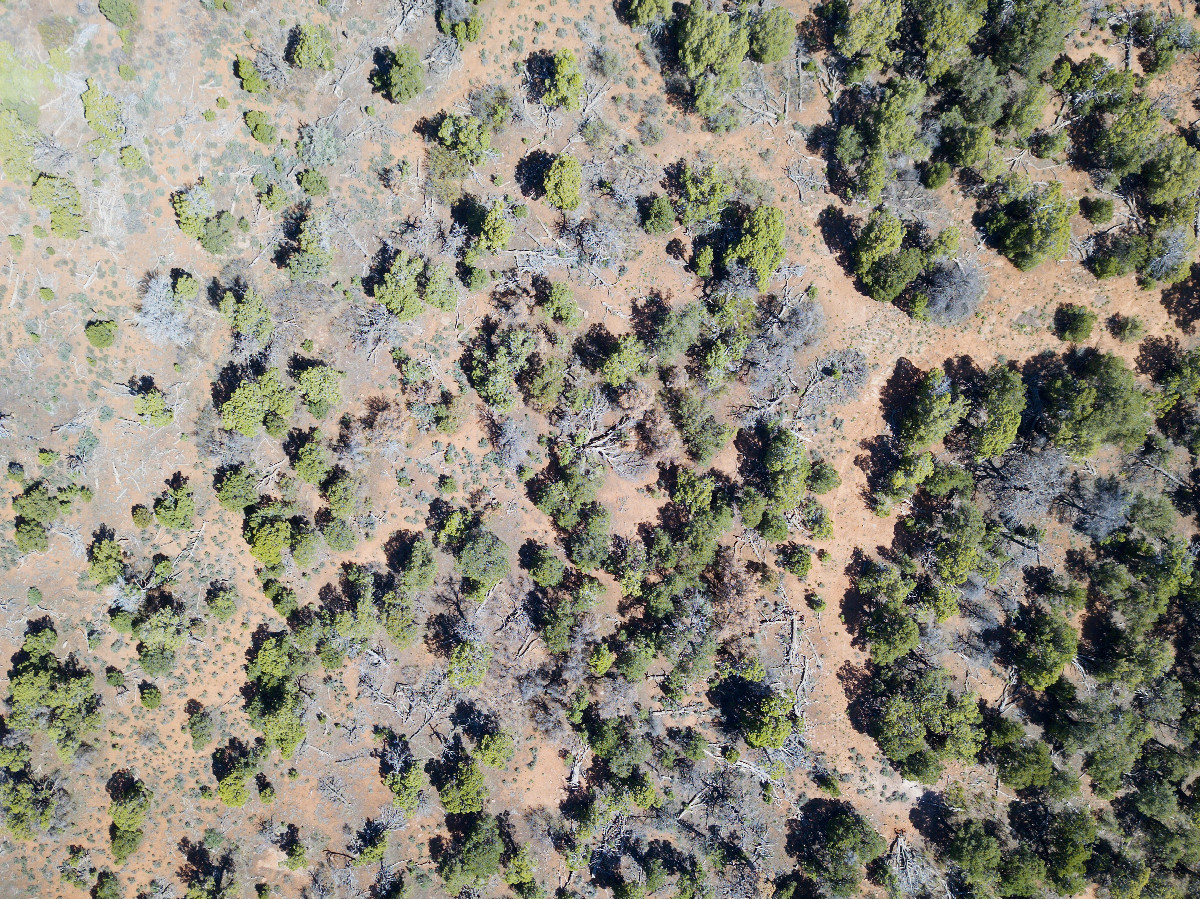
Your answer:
<point x="1182" y="301"/>
<point x="531" y="174"/>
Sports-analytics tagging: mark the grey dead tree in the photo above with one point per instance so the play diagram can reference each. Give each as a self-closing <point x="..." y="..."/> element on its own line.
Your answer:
<point x="765" y="105"/>
<point x="1101" y="505"/>
<point x="513" y="441"/>
<point x="163" y="316"/>
<point x="600" y="439"/>
<point x="914" y="874"/>
<point x="954" y="287"/>
<point x="790" y="322"/>
<point x="806" y="177"/>
<point x="1024" y="484"/>
<point x="373" y="329"/>
<point x="444" y="57"/>
<point x="1174" y="248"/>
<point x="272" y="67"/>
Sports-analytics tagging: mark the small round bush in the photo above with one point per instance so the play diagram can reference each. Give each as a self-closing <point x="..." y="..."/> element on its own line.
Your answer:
<point x="1126" y="328"/>
<point x="313" y="183"/>
<point x="151" y="696"/>
<point x="660" y="216"/>
<point x="1073" y="323"/>
<point x="101" y="333"/>
<point x="143" y="517"/>
<point x="936" y="174"/>
<point x="1097" y="210"/>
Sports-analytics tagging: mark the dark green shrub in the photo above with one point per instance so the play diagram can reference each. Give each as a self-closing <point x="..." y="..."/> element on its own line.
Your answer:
<point x="1073" y="323"/>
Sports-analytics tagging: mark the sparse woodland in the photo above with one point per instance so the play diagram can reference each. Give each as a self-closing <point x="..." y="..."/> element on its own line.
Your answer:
<point x="706" y="450"/>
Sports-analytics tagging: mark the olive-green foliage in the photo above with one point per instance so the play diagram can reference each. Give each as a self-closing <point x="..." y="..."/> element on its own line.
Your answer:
<point x="122" y="13"/>
<point x="947" y="28"/>
<point x="464" y="791"/>
<point x="711" y="48"/>
<point x="268" y="534"/>
<point x="496" y="230"/>
<point x="251" y="79"/>
<point x="965" y="545"/>
<point x="768" y="722"/>
<point x="60" y="196"/>
<point x="843" y="843"/>
<point x="1129" y="138"/>
<point x="496" y="362"/>
<point x="235" y="769"/>
<point x="564" y="87"/>
<point x="626" y="362"/>
<point x="409" y="283"/>
<point x="237" y="488"/>
<point x="51" y="696"/>
<point x="935" y="412"/>
<point x="105" y="561"/>
<point x="567" y="495"/>
<point x="476" y="859"/>
<point x="199" y="219"/>
<point x="1071" y="834"/>
<point x="469" y="663"/>
<point x="260" y="127"/>
<point x="314" y="461"/>
<point x="1097" y="210"/>
<point x="320" y="388"/>
<point x="998" y="413"/>
<point x="274" y="709"/>
<point x="496" y="750"/>
<point x="760" y="246"/>
<point x="588" y="546"/>
<point x="160" y="634"/>
<point x="151" y="408"/>
<point x="101" y="333"/>
<point x="1031" y="225"/>
<point x="103" y="116"/>
<point x="564" y="179"/>
<point x="150" y="696"/>
<point x="176" y="507"/>
<point x="128" y="810"/>
<point x="36" y="508"/>
<point x="265" y="401"/>
<point x="1095" y="400"/>
<point x="920" y="720"/>
<point x="28" y="803"/>
<point x="311" y="47"/>
<point x="890" y="632"/>
<point x="482" y="562"/>
<point x="311" y="256"/>
<point x="823" y="477"/>
<point x="545" y="568"/>
<point x="405" y="783"/>
<point x="463" y="30"/>
<point x="401" y="77"/>
<point x="559" y="304"/>
<point x="660" y="216"/>
<point x="702" y="432"/>
<point x="1073" y="322"/>
<point x="1043" y="642"/>
<point x="222" y="602"/>
<point x="887" y="262"/>
<point x="247" y="313"/>
<point x="644" y="12"/>
<point x="467" y="138"/>
<point x="313" y="183"/>
<point x="704" y="193"/>
<point x="772" y="35"/>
